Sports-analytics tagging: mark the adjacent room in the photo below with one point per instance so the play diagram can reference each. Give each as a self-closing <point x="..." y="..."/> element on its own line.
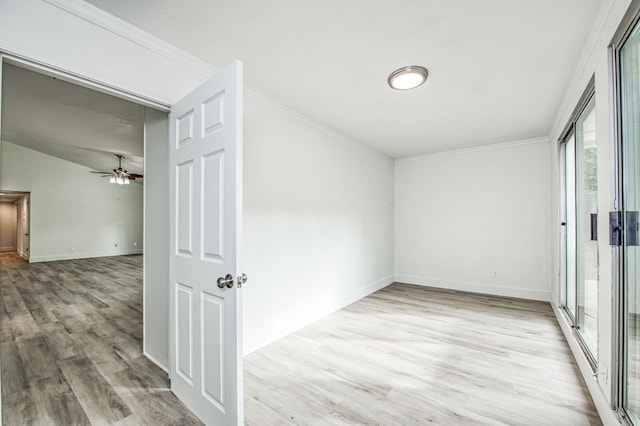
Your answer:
<point x="370" y="212"/>
<point x="14" y="227"/>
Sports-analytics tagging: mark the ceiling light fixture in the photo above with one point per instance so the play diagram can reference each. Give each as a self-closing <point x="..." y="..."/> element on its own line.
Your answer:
<point x="119" y="176"/>
<point x="407" y="78"/>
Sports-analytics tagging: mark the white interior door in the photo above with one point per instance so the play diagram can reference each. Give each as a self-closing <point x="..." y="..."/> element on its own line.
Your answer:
<point x="206" y="217"/>
<point x="26" y="203"/>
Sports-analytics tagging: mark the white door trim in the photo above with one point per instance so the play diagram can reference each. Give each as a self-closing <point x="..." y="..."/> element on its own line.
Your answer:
<point x="81" y="80"/>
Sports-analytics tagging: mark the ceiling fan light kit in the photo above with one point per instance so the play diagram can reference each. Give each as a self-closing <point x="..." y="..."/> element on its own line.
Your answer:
<point x="120" y="176"/>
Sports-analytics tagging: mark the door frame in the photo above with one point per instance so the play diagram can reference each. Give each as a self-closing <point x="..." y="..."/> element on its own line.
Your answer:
<point x="570" y="129"/>
<point x="618" y="323"/>
<point x="28" y="195"/>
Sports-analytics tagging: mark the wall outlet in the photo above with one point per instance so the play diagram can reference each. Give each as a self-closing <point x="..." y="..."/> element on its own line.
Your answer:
<point x="494" y="273"/>
<point x="135" y="244"/>
<point x="71" y="250"/>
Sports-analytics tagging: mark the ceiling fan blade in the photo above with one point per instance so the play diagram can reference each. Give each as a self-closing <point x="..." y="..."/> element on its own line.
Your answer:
<point x="104" y="173"/>
<point x="135" y="175"/>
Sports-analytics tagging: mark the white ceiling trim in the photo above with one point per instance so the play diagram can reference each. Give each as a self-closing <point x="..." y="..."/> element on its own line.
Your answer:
<point x="123" y="29"/>
<point x="580" y="71"/>
<point x="80" y="80"/>
<point x="491" y="147"/>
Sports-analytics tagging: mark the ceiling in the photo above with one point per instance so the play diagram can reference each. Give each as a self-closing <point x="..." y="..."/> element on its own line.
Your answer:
<point x="498" y="68"/>
<point x="71" y="122"/>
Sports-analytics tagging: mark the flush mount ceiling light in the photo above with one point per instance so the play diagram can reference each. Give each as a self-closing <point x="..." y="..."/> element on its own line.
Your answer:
<point x="407" y="78"/>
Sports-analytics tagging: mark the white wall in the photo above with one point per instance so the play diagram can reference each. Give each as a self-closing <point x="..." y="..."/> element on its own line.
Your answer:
<point x="156" y="237"/>
<point x="318" y="222"/>
<point x="8" y="226"/>
<point x="74" y="214"/>
<point x="594" y="61"/>
<point x="461" y="215"/>
<point x="318" y="225"/>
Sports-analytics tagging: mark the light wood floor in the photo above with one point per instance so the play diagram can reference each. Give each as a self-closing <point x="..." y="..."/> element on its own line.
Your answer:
<point x="410" y="355"/>
<point x="11" y="258"/>
<point x="70" y="347"/>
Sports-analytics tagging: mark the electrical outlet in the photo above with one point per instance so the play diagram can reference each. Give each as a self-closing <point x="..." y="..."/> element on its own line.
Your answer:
<point x="71" y="250"/>
<point x="494" y="273"/>
<point x="135" y="244"/>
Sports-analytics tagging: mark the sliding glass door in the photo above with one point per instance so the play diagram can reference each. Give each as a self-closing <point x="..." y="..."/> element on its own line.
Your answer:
<point x="587" y="228"/>
<point x="580" y="212"/>
<point x="629" y="57"/>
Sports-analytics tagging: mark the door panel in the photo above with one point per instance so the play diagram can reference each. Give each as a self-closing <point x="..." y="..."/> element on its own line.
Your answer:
<point x="630" y="153"/>
<point x="213" y="341"/>
<point x="570" y="226"/>
<point x="184" y="315"/>
<point x="184" y="202"/>
<point x="213" y="208"/>
<point x="580" y="210"/>
<point x="587" y="247"/>
<point x="206" y="215"/>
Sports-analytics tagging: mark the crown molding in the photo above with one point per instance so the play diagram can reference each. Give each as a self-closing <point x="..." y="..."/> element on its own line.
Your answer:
<point x="491" y="147"/>
<point x="121" y="28"/>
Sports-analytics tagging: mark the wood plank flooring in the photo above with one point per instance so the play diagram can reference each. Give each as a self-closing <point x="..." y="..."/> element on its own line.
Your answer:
<point x="11" y="258"/>
<point x="410" y="355"/>
<point x="70" y="350"/>
<point x="71" y="346"/>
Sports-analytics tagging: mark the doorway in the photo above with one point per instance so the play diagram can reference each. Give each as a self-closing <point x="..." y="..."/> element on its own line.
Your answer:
<point x="75" y="216"/>
<point x="14" y="226"/>
<point x="156" y="294"/>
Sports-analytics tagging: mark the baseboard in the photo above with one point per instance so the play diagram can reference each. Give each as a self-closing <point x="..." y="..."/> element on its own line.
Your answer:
<point x="2" y="249"/>
<point x="603" y="406"/>
<point x="23" y="254"/>
<point x="472" y="287"/>
<point x="348" y="299"/>
<point x="368" y="289"/>
<point x="156" y="362"/>
<point x="72" y="256"/>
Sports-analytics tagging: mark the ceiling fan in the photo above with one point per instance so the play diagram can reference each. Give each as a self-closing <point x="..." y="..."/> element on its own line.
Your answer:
<point x="120" y="175"/>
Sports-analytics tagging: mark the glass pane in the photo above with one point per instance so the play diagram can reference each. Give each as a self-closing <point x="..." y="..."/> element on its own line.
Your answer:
<point x="586" y="229"/>
<point x="570" y="227"/>
<point x="630" y="90"/>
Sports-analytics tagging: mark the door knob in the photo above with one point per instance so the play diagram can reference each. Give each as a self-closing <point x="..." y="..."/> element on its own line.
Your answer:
<point x="242" y="279"/>
<point x="227" y="281"/>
